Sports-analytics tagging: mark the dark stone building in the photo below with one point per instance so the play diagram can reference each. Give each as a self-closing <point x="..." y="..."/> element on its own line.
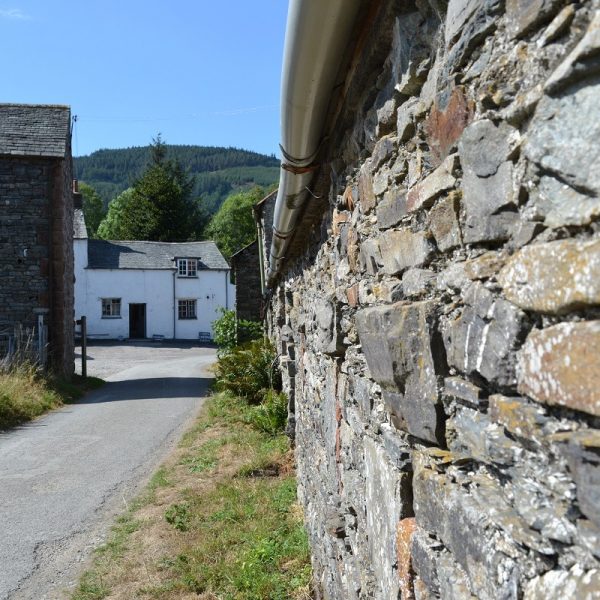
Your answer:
<point x="245" y="267"/>
<point x="247" y="263"/>
<point x="36" y="225"/>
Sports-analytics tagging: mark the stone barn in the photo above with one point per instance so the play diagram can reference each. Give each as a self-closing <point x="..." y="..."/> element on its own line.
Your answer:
<point x="245" y="268"/>
<point x="434" y="293"/>
<point x="36" y="226"/>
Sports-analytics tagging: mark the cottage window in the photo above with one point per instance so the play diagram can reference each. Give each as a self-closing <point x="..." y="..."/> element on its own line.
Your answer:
<point x="111" y="307"/>
<point x="186" y="309"/>
<point x="187" y="267"/>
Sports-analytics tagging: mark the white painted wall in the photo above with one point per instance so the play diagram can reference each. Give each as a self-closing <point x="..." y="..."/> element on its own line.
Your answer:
<point x="211" y="290"/>
<point x="81" y="257"/>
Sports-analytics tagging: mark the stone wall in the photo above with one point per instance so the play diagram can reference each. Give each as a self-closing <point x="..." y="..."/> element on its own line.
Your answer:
<point x="440" y="333"/>
<point x="24" y="239"/>
<point x="61" y="334"/>
<point x="36" y="250"/>
<point x="246" y="272"/>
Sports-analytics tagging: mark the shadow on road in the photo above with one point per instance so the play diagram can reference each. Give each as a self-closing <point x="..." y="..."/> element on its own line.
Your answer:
<point x="149" y="389"/>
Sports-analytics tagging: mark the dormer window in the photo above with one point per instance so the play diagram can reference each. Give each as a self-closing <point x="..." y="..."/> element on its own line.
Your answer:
<point x="187" y="267"/>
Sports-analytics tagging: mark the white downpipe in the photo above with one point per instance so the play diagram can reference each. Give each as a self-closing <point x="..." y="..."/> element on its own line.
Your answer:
<point x="317" y="33"/>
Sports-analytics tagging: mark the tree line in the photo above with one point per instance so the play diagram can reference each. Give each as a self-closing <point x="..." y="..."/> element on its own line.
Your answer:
<point x="217" y="171"/>
<point x="160" y="205"/>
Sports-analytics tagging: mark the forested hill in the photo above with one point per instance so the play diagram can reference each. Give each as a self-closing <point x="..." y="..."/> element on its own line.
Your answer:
<point x="217" y="171"/>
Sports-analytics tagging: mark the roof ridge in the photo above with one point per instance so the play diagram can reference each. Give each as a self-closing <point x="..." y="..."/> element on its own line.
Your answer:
<point x="67" y="106"/>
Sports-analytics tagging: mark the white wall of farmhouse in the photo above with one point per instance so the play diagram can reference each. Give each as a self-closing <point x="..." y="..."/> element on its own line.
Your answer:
<point x="159" y="289"/>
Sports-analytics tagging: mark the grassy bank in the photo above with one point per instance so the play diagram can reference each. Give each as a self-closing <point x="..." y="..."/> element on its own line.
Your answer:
<point x="219" y="520"/>
<point x="25" y="394"/>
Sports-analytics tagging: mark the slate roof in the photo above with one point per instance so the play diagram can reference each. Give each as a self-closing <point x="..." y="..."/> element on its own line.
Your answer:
<point x="152" y="255"/>
<point x="79" y="228"/>
<point x="244" y="249"/>
<point x="34" y="130"/>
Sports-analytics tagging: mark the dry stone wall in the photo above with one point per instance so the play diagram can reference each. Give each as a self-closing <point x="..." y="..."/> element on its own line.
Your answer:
<point x="440" y="335"/>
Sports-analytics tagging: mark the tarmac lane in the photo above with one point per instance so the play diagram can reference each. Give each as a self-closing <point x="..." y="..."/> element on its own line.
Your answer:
<point x="65" y="476"/>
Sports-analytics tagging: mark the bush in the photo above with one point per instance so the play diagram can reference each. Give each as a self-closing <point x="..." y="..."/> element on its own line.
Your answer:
<point x="271" y="414"/>
<point x="228" y="332"/>
<point x="249" y="371"/>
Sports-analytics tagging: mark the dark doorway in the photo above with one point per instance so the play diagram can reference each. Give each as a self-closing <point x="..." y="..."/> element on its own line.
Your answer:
<point x="137" y="321"/>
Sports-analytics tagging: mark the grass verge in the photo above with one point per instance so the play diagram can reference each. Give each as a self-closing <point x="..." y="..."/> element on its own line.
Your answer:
<point x="25" y="394"/>
<point x="219" y="520"/>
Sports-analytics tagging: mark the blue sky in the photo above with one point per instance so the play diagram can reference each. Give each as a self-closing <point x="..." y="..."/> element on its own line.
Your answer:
<point x="199" y="72"/>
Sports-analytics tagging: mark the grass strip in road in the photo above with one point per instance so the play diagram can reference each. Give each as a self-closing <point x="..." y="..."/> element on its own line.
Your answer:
<point x="219" y="520"/>
<point x="26" y="394"/>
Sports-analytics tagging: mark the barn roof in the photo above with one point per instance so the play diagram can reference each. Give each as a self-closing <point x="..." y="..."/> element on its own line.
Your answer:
<point x="104" y="254"/>
<point x="34" y="130"/>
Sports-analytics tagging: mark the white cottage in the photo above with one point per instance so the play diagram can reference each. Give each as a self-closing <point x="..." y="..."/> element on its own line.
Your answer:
<point x="142" y="289"/>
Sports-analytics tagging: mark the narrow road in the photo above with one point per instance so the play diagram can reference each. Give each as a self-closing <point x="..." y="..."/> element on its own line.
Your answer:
<point x="65" y="476"/>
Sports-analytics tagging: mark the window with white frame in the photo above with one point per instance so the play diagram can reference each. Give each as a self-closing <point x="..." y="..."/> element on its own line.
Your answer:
<point x="111" y="308"/>
<point x="186" y="309"/>
<point x="187" y="267"/>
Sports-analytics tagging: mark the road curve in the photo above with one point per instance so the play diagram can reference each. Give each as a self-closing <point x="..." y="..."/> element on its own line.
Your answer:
<point x="65" y="476"/>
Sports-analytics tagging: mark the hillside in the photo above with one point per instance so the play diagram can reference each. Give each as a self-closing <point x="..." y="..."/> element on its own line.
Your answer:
<point x="218" y="171"/>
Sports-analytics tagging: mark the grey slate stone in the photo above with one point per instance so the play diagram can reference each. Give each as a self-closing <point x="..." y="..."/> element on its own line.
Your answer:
<point x="483" y="199"/>
<point x="383" y="150"/>
<point x="581" y="63"/>
<point x="524" y="15"/>
<point x="444" y="223"/>
<point x="487" y="183"/>
<point x="465" y="391"/>
<point x="383" y="501"/>
<point x="416" y="282"/>
<point x="576" y="584"/>
<point x="583" y="454"/>
<point x="471" y="434"/>
<point x="562" y="206"/>
<point x="403" y="249"/>
<point x="484" y="339"/>
<point x="563" y="138"/>
<point x="329" y="337"/>
<point x="392" y="208"/>
<point x="405" y="362"/>
<point x="370" y="256"/>
<point x="483" y="146"/>
<point x="458" y="14"/>
<point x="424" y="559"/>
<point x="452" y="513"/>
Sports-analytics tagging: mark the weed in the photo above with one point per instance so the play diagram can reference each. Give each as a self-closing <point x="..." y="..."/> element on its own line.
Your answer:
<point x="159" y="479"/>
<point x="91" y="587"/>
<point x="178" y="515"/>
<point x="270" y="415"/>
<point x="249" y="371"/>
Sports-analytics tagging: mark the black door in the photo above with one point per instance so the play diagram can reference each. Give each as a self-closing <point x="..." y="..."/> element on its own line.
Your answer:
<point x="137" y="321"/>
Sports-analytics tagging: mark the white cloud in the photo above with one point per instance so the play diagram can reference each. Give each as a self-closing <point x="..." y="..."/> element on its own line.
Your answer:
<point x="13" y="13"/>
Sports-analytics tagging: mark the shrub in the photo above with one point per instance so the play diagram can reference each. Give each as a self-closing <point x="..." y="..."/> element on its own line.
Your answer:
<point x="270" y="415"/>
<point x="229" y="331"/>
<point x="249" y="371"/>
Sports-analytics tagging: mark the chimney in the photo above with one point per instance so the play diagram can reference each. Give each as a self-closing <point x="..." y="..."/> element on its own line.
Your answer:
<point x="77" y="196"/>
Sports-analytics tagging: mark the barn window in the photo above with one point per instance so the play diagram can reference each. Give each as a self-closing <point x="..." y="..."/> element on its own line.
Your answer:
<point x="111" y="307"/>
<point x="187" y="267"/>
<point x="186" y="309"/>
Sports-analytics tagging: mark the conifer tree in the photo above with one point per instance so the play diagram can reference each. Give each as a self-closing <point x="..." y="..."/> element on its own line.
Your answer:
<point x="161" y="207"/>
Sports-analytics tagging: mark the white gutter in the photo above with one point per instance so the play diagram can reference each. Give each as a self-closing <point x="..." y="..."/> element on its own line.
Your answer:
<point x="317" y="33"/>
